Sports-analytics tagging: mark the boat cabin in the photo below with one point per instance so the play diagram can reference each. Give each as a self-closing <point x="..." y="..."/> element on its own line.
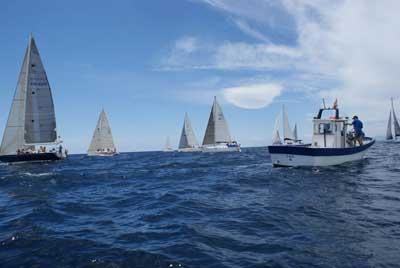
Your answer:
<point x="331" y="131"/>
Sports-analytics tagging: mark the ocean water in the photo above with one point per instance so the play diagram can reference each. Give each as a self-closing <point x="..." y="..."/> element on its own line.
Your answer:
<point x="201" y="210"/>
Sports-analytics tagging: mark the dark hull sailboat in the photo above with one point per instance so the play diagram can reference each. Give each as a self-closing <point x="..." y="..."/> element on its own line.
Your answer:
<point x="31" y="122"/>
<point x="34" y="157"/>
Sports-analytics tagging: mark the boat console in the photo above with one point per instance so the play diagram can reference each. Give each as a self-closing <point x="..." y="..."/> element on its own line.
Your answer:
<point x="330" y="132"/>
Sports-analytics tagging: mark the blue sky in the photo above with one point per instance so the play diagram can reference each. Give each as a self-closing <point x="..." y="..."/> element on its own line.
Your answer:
<point x="149" y="62"/>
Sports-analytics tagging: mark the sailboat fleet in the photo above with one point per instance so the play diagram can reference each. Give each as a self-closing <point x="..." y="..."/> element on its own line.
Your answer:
<point x="31" y="133"/>
<point x="289" y="136"/>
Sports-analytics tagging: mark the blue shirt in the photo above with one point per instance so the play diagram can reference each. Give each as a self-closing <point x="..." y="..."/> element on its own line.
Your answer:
<point x="358" y="125"/>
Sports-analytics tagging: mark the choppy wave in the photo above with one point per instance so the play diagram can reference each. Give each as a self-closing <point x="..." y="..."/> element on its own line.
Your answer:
<point x="201" y="210"/>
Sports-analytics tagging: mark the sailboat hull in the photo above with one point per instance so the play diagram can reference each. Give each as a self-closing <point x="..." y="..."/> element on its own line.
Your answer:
<point x="36" y="157"/>
<point x="303" y="156"/>
<point x="103" y="154"/>
<point x="219" y="148"/>
<point x="189" y="150"/>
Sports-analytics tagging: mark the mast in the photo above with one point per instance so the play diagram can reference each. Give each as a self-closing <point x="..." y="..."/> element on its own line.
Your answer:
<point x="217" y="128"/>
<point x="102" y="137"/>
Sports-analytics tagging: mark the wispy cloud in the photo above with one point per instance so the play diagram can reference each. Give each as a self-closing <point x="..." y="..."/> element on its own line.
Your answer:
<point x="247" y="29"/>
<point x="352" y="43"/>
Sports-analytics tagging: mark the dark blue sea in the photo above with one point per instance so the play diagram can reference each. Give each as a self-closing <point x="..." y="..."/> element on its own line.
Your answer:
<point x="201" y="210"/>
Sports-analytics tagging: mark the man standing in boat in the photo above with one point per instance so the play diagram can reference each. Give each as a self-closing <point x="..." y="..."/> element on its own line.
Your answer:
<point x="358" y="133"/>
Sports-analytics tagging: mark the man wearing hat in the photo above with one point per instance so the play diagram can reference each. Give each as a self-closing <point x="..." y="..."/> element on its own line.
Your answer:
<point x="358" y="133"/>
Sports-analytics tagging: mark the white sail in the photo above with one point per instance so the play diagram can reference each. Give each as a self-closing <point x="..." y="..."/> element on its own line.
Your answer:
<point x="102" y="140"/>
<point x="32" y="118"/>
<point x="287" y="131"/>
<point x="188" y="139"/>
<point x="295" y="136"/>
<point x="217" y="128"/>
<point x="395" y="123"/>
<point x="276" y="137"/>
<point x="389" y="135"/>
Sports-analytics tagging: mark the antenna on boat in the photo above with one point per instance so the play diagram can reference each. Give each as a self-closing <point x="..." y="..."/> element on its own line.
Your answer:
<point x="323" y="101"/>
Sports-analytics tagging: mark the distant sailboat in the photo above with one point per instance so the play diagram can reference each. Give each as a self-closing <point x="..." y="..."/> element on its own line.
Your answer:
<point x="289" y="136"/>
<point x="102" y="143"/>
<point x="395" y="125"/>
<point x="295" y="136"/>
<point x="30" y="133"/>
<point x="188" y="141"/>
<point x="168" y="147"/>
<point x="217" y="137"/>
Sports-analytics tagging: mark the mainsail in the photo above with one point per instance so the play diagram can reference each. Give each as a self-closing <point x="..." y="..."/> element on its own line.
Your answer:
<point x="32" y="118"/>
<point x="295" y="136"/>
<point x="102" y="137"/>
<point x="276" y="137"/>
<point x="395" y="123"/>
<point x="188" y="139"/>
<point x="287" y="131"/>
<point x="389" y="135"/>
<point x="217" y="128"/>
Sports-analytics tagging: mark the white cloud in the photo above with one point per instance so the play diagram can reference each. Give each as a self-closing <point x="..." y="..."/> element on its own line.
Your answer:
<point x="353" y="43"/>
<point x="187" y="44"/>
<point x="254" y="56"/>
<point x="252" y="96"/>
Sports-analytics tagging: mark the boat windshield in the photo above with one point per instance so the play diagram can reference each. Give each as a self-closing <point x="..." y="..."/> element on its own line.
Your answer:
<point x="328" y="113"/>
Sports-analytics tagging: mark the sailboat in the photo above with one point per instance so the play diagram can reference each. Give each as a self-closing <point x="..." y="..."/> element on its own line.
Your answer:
<point x="102" y="143"/>
<point x="217" y="137"/>
<point x="289" y="136"/>
<point x="392" y="124"/>
<point x="167" y="147"/>
<point x="30" y="133"/>
<point x="188" y="141"/>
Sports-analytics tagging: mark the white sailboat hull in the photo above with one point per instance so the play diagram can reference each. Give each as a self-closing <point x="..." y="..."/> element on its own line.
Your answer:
<point x="216" y="148"/>
<point x="189" y="150"/>
<point x="103" y="154"/>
